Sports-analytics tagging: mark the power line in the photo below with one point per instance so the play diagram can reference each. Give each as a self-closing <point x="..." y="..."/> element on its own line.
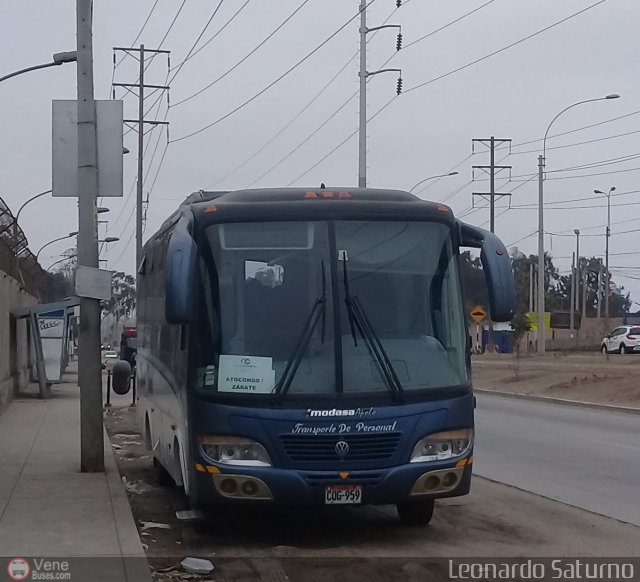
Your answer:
<point x="335" y="149"/>
<point x="535" y="207"/>
<point x="175" y="18"/>
<point x="596" y="174"/>
<point x="448" y="24"/>
<point x="457" y="70"/>
<point x="193" y="46"/>
<point x="304" y="141"/>
<point x="243" y="59"/>
<point x="277" y="80"/>
<point x="579" y="143"/>
<point x="591" y="125"/>
<point x="135" y="40"/>
<point x="218" y="32"/>
<point x="509" y="46"/>
<point x="290" y="122"/>
<point x="584" y="198"/>
<point x="306" y="106"/>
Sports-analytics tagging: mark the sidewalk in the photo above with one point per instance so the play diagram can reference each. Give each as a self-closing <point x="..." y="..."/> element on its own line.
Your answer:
<point x="48" y="508"/>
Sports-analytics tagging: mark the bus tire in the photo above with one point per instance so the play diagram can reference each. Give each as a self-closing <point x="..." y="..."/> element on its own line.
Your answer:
<point x="416" y="513"/>
<point x="163" y="477"/>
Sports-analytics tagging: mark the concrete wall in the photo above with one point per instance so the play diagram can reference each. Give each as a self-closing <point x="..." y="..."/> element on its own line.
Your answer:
<point x="14" y="342"/>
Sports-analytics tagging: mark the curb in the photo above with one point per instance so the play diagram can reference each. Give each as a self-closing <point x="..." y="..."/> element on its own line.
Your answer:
<point x="551" y="400"/>
<point x="134" y="558"/>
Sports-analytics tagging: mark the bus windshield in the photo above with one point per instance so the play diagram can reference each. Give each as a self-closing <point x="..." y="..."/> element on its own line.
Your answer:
<point x="344" y="306"/>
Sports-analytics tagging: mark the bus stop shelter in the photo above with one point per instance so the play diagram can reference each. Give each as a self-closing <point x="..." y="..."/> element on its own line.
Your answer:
<point x="52" y="329"/>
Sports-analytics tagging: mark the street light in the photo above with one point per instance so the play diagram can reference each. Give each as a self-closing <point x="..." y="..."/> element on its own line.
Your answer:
<point x="606" y="254"/>
<point x="55" y="240"/>
<point x="541" y="166"/>
<point x="57" y="59"/>
<point x="108" y="239"/>
<point x="432" y="177"/>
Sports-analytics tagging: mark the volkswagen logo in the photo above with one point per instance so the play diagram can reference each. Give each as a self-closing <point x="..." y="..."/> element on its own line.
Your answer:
<point x="342" y="448"/>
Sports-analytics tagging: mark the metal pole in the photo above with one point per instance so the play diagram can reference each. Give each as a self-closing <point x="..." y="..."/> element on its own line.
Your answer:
<point x="599" y="291"/>
<point x="573" y="295"/>
<point x="531" y="287"/>
<point x="606" y="269"/>
<point x="492" y="215"/>
<point x="107" y="404"/>
<point x="541" y="330"/>
<point x="89" y="364"/>
<point x="585" y="275"/>
<point x="362" y="126"/>
<point x="578" y="278"/>
<point x="140" y="160"/>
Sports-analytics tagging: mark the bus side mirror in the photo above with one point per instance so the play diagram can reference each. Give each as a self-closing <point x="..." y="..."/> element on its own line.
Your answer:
<point x="497" y="268"/>
<point x="182" y="261"/>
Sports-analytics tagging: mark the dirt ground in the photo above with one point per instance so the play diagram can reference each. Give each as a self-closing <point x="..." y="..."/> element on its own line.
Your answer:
<point x="366" y="543"/>
<point x="583" y="377"/>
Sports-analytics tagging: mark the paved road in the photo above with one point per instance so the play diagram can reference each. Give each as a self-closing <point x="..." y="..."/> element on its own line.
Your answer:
<point x="587" y="458"/>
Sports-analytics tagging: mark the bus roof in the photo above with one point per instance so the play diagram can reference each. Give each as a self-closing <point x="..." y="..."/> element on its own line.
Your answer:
<point x="294" y="202"/>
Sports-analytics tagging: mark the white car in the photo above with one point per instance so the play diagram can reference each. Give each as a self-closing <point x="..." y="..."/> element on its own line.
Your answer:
<point x="109" y="357"/>
<point x="622" y="340"/>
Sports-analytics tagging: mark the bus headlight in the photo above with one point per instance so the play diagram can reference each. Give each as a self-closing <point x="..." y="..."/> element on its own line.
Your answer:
<point x="442" y="446"/>
<point x="235" y="451"/>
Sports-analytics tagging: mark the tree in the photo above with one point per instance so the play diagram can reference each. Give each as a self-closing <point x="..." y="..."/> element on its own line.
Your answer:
<point x="520" y="325"/>
<point x="123" y="296"/>
<point x="474" y="285"/>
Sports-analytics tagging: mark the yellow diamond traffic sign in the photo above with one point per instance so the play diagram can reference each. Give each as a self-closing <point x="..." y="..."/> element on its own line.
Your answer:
<point x="478" y="314"/>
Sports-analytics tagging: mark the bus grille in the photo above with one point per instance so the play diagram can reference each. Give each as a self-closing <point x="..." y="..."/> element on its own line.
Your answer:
<point x="363" y="447"/>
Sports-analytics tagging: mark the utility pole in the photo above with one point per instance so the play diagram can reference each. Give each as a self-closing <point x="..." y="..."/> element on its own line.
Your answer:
<point x="576" y="289"/>
<point x="599" y="292"/>
<point x="89" y="364"/>
<point x="540" y="308"/>
<point x="585" y="278"/>
<point x="362" y="132"/>
<point x="492" y="194"/>
<point x="140" y="160"/>
<point x="572" y="307"/>
<point x="363" y="74"/>
<point x="138" y="88"/>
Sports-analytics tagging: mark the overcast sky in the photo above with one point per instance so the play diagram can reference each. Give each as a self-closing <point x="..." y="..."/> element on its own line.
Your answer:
<point x="428" y="130"/>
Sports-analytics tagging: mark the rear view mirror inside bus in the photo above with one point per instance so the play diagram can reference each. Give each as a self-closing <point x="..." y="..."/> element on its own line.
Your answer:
<point x="497" y="270"/>
<point x="181" y="266"/>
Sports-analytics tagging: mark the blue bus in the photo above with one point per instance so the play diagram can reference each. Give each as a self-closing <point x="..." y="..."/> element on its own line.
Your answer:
<point x="304" y="347"/>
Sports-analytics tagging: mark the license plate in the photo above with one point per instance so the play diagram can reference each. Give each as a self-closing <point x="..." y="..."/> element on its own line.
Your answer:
<point x="343" y="494"/>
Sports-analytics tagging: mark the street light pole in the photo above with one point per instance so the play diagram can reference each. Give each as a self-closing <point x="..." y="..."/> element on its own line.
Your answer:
<point x="606" y="255"/>
<point x="576" y="289"/>
<point x="58" y="59"/>
<point x="433" y="177"/>
<point x="15" y="218"/>
<point x="541" y="166"/>
<point x="55" y="240"/>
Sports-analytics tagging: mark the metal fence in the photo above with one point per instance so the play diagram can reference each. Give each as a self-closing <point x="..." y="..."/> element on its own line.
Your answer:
<point x="17" y="260"/>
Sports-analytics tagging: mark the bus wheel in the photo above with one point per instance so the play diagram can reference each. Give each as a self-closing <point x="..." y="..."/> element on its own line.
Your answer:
<point x="162" y="475"/>
<point x="416" y="512"/>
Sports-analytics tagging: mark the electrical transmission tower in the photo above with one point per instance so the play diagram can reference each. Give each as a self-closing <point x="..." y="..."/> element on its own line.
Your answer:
<point x="492" y="169"/>
<point x="143" y="56"/>
<point x="363" y="74"/>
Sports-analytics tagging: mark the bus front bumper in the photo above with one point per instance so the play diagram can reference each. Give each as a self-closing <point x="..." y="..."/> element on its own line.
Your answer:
<point x="217" y="484"/>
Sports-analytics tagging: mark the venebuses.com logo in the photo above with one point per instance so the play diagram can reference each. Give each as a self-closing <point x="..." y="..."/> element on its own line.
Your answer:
<point x="38" y="569"/>
<point x="18" y="569"/>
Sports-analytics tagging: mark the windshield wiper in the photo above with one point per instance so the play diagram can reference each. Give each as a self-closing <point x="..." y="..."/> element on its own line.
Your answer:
<point x="317" y="311"/>
<point x="358" y="319"/>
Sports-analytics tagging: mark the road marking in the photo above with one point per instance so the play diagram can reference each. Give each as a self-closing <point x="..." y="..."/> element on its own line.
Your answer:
<point x="609" y="443"/>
